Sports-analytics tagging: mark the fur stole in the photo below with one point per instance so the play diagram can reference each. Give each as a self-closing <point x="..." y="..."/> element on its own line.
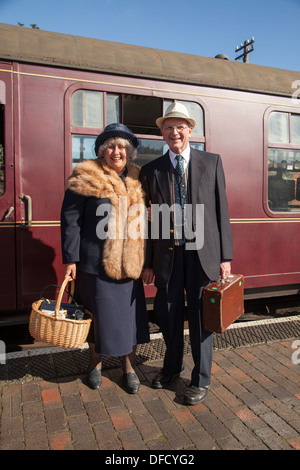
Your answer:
<point x="123" y="255"/>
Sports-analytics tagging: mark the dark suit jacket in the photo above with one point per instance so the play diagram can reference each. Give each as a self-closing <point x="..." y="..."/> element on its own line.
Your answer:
<point x="207" y="187"/>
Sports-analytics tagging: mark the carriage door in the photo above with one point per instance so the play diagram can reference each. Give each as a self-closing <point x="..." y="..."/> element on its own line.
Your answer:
<point x="7" y="195"/>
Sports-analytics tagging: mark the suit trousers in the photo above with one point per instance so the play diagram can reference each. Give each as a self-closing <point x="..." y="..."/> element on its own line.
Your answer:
<point x="169" y="305"/>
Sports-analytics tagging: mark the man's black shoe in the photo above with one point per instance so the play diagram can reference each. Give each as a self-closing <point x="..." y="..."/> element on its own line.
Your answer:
<point x="195" y="395"/>
<point x="163" y="381"/>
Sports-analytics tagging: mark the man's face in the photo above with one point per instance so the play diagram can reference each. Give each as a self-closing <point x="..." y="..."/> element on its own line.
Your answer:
<point x="177" y="133"/>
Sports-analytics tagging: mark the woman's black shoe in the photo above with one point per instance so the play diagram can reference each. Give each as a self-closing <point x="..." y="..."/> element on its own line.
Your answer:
<point x="132" y="382"/>
<point x="95" y="378"/>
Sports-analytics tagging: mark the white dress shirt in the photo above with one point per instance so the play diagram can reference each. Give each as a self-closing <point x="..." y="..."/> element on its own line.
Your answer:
<point x="185" y="154"/>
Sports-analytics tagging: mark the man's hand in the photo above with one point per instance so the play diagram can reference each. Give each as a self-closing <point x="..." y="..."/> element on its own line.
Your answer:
<point x="225" y="269"/>
<point x="147" y="275"/>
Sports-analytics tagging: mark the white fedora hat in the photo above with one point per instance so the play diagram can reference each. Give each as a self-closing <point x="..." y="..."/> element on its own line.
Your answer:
<point x="175" y="110"/>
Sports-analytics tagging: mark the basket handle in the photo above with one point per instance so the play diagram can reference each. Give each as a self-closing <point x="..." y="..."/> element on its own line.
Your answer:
<point x="70" y="292"/>
<point x="60" y="295"/>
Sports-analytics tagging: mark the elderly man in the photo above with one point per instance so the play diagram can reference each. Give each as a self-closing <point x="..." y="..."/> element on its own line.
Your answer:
<point x="185" y="178"/>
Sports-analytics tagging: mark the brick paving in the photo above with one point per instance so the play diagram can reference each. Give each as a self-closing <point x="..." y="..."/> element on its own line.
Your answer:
<point x="253" y="404"/>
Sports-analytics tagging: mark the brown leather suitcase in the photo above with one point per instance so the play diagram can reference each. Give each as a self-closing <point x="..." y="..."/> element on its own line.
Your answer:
<point x="223" y="303"/>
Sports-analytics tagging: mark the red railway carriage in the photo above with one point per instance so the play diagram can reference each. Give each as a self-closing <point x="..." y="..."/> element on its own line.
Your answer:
<point x="57" y="92"/>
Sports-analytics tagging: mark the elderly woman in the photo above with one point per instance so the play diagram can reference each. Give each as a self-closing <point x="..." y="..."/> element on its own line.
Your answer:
<point x="100" y="202"/>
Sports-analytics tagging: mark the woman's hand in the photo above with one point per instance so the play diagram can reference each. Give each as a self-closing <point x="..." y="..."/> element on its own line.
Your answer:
<point x="70" y="270"/>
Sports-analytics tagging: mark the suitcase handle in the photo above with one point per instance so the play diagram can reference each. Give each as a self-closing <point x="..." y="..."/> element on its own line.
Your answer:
<point x="222" y="281"/>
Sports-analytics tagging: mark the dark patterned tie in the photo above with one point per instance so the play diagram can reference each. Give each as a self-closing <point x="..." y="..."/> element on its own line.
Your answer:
<point x="179" y="167"/>
<point x="180" y="193"/>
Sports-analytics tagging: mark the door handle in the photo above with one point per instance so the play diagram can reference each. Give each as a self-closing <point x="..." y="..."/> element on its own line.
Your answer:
<point x="25" y="197"/>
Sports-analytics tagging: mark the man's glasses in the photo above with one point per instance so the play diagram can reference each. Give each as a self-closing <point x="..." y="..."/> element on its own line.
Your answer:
<point x="175" y="128"/>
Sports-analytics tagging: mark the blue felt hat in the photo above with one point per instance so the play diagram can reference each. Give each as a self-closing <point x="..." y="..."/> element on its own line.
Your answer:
<point x="116" y="130"/>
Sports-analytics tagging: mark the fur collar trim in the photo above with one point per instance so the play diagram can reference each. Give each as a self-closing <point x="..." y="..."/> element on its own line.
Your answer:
<point x="123" y="255"/>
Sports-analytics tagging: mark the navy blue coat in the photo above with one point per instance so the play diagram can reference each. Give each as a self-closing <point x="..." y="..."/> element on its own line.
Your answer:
<point x="79" y="240"/>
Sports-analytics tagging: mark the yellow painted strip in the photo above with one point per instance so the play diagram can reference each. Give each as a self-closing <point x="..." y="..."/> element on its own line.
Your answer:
<point x="56" y="223"/>
<point x="46" y="222"/>
<point x="263" y="221"/>
<point x="33" y="224"/>
<point x="272" y="274"/>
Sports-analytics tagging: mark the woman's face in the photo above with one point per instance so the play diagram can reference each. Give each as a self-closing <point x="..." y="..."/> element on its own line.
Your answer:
<point x="115" y="156"/>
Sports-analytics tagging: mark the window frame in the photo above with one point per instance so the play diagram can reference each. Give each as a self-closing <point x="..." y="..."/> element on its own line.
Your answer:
<point x="71" y="130"/>
<point x="277" y="145"/>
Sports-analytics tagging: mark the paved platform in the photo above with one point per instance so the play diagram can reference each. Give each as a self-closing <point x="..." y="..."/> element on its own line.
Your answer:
<point x="253" y="403"/>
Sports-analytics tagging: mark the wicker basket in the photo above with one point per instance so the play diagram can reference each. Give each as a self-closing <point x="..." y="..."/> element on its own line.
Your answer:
<point x="57" y="331"/>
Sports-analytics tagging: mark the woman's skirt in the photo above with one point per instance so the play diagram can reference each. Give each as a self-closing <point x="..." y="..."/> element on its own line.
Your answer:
<point x="119" y="312"/>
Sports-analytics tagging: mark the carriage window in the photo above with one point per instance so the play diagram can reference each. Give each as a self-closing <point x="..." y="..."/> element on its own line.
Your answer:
<point x="2" y="168"/>
<point x="295" y="128"/>
<point x="279" y="127"/>
<point x="112" y="108"/>
<point x="88" y="118"/>
<point x="149" y="150"/>
<point x="82" y="148"/>
<point x="87" y="109"/>
<point x="284" y="162"/>
<point x="140" y="113"/>
<point x="93" y="110"/>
